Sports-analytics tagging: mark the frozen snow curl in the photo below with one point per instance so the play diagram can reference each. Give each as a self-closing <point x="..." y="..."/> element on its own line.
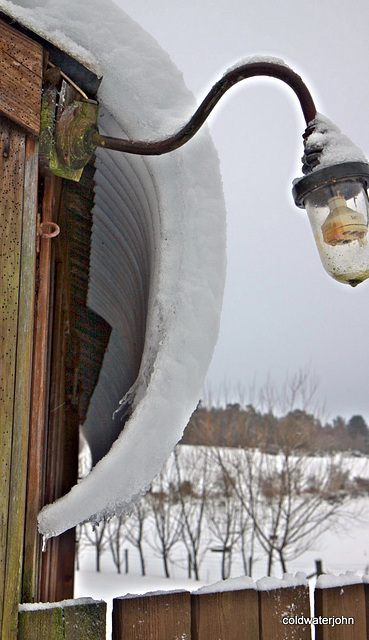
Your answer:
<point x="187" y="247"/>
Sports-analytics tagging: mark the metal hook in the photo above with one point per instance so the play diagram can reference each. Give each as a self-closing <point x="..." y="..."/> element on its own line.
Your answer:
<point x="48" y="234"/>
<point x="42" y="230"/>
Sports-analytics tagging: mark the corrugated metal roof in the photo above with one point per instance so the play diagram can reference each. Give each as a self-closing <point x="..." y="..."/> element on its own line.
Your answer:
<point x="125" y="218"/>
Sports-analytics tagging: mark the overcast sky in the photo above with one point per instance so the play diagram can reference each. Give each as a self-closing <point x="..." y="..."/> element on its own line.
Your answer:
<point x="282" y="312"/>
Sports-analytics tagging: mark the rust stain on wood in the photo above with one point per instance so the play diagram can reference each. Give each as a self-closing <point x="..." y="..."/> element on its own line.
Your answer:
<point x="20" y="79"/>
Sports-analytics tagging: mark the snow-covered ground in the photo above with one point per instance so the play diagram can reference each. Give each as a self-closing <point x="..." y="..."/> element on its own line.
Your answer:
<point x="340" y="551"/>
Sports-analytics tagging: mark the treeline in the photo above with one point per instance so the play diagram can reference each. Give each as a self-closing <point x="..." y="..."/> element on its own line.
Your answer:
<point x="236" y="426"/>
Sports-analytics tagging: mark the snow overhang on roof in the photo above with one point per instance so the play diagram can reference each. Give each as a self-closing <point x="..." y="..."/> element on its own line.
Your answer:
<point x="157" y="265"/>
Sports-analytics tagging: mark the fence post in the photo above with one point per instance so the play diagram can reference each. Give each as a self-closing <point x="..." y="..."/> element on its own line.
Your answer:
<point x="156" y="616"/>
<point x="225" y="615"/>
<point x="366" y="592"/>
<point x="278" y="601"/>
<point x="81" y="619"/>
<point x="337" y="599"/>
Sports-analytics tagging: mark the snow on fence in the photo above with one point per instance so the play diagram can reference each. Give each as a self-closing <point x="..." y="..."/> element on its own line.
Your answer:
<point x="237" y="609"/>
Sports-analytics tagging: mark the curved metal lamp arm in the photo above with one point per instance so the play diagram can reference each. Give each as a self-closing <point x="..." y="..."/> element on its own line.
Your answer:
<point x="250" y="69"/>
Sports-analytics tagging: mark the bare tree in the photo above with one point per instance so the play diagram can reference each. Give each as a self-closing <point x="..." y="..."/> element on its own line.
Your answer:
<point x="193" y="474"/>
<point x="115" y="536"/>
<point x="134" y="529"/>
<point x="96" y="537"/>
<point x="291" y="499"/>
<point x="164" y="506"/>
<point x="299" y="390"/>
<point x="80" y="544"/>
<point x="246" y="541"/>
<point x="223" y="509"/>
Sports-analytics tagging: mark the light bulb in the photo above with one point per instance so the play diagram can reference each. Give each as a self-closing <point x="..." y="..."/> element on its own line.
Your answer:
<point x="343" y="225"/>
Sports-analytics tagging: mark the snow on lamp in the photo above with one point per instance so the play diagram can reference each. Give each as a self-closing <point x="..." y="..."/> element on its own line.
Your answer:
<point x="334" y="194"/>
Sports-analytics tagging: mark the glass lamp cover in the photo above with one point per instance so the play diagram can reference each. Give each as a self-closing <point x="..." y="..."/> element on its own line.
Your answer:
<point x="338" y="214"/>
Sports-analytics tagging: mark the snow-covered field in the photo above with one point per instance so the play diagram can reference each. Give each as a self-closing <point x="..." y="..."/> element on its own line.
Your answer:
<point x="343" y="550"/>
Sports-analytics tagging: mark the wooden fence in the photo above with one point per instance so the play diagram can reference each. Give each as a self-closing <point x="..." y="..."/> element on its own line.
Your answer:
<point x="280" y="613"/>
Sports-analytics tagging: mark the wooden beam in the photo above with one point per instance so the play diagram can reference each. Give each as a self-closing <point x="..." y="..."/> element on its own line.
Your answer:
<point x="18" y="176"/>
<point x="40" y="390"/>
<point x="20" y="100"/>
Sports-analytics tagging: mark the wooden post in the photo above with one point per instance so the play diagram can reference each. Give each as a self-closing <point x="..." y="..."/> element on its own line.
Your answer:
<point x="152" y="617"/>
<point x="20" y="89"/>
<point x="284" y="603"/>
<point x="341" y="604"/>
<point x="17" y="267"/>
<point x="82" y="619"/>
<point x="366" y="592"/>
<point x="40" y="390"/>
<point x="227" y="615"/>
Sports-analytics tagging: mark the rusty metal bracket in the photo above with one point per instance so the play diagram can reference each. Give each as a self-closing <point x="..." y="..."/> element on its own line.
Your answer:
<point x="61" y="150"/>
<point x="77" y="135"/>
<point x="74" y="134"/>
<point x="46" y="230"/>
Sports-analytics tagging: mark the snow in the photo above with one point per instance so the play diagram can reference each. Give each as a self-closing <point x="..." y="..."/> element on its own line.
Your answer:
<point x="158" y="592"/>
<point x="256" y="60"/>
<point x="188" y="282"/>
<point x="232" y="584"/>
<point x="270" y="583"/>
<point x="36" y="606"/>
<point x="336" y="147"/>
<point x="329" y="581"/>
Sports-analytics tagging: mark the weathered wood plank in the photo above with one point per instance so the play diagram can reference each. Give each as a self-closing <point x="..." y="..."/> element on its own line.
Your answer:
<point x="341" y="605"/>
<point x="278" y="604"/>
<point x="41" y="624"/>
<point x="20" y="47"/>
<point x="66" y="620"/>
<point x="18" y="472"/>
<point x="230" y="615"/>
<point x="366" y="593"/>
<point x="85" y="621"/>
<point x="152" y="617"/>
<point x="20" y="79"/>
<point x="12" y="158"/>
<point x="36" y="479"/>
<point x="61" y="469"/>
<point x="50" y="581"/>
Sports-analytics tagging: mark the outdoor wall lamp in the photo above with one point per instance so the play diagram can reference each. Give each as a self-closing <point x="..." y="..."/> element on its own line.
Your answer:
<point x="333" y="191"/>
